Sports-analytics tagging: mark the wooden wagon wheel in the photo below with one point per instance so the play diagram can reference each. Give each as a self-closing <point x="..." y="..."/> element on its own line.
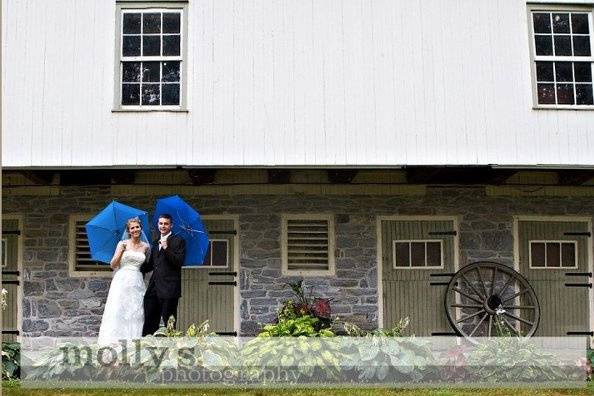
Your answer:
<point x="486" y="299"/>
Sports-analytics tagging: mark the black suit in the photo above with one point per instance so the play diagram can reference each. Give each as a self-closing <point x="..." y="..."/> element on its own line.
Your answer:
<point x="164" y="289"/>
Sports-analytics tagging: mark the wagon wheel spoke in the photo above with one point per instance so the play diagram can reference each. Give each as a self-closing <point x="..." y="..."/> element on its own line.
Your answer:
<point x="510" y="326"/>
<point x="529" y="323"/>
<point x="519" y="307"/>
<point x="515" y="295"/>
<point x="493" y="281"/>
<point x="466" y="306"/>
<point x="472" y="286"/>
<point x="490" y="324"/>
<point x="465" y="318"/>
<point x="467" y="295"/>
<point x="478" y="324"/>
<point x="478" y="271"/>
<point x="506" y="285"/>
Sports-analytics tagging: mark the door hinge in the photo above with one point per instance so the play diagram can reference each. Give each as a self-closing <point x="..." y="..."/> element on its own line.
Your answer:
<point x="223" y="283"/>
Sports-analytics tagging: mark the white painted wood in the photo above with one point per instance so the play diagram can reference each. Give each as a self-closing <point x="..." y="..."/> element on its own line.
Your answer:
<point x="289" y="83"/>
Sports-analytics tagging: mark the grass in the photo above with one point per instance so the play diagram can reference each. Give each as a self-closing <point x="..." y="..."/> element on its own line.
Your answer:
<point x="14" y="389"/>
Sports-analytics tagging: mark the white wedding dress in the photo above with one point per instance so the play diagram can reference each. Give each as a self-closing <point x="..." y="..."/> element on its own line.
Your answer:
<point x="123" y="316"/>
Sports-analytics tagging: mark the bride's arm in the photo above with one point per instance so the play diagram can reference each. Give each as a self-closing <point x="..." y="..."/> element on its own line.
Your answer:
<point x="117" y="256"/>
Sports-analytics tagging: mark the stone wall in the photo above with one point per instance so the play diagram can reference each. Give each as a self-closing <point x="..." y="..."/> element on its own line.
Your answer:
<point x="56" y="304"/>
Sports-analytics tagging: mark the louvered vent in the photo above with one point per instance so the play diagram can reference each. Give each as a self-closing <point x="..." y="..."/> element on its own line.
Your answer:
<point x="82" y="254"/>
<point x="309" y="244"/>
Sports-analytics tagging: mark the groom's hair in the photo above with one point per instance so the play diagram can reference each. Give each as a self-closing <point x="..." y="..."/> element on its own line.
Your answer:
<point x="166" y="216"/>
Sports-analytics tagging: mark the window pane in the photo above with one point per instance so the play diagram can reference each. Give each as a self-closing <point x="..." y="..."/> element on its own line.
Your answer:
<point x="565" y="94"/>
<point x="151" y="45"/>
<point x="583" y="71"/>
<point x="151" y="23"/>
<point x="542" y="22"/>
<point x="131" y="23"/>
<point x="433" y="254"/>
<point x="131" y="72"/>
<point x="417" y="254"/>
<point x="544" y="71"/>
<point x="150" y="94"/>
<point x="579" y="23"/>
<point x="537" y="254"/>
<point x="581" y="45"/>
<point x="170" y="71"/>
<point x="583" y="94"/>
<point x="564" y="71"/>
<point x="568" y="254"/>
<point x="402" y="255"/>
<point x="170" y="94"/>
<point x="560" y="23"/>
<point x="553" y="254"/>
<point x="151" y="71"/>
<point x="131" y="94"/>
<point x="544" y="45"/>
<point x="171" y="45"/>
<point x="131" y="46"/>
<point x="171" y="22"/>
<point x="546" y="94"/>
<point x="219" y="253"/>
<point x="563" y="45"/>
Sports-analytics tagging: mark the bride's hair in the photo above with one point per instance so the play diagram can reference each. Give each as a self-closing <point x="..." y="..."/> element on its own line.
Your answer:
<point x="130" y="221"/>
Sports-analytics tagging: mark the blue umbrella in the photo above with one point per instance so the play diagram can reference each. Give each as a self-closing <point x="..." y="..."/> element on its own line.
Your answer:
<point x="188" y="225"/>
<point x="105" y="230"/>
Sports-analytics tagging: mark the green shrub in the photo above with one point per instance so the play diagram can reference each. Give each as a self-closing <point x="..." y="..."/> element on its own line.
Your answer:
<point x="11" y="360"/>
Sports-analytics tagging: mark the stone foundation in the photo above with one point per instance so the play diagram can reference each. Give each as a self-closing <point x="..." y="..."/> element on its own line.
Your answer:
<point x="56" y="304"/>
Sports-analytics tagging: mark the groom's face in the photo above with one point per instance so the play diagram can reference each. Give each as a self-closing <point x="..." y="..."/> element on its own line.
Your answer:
<point x="164" y="225"/>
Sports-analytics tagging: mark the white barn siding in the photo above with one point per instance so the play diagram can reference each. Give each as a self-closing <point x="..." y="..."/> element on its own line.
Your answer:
<point x="279" y="82"/>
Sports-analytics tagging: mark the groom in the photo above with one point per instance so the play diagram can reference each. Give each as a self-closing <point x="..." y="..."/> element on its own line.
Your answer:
<point x="164" y="289"/>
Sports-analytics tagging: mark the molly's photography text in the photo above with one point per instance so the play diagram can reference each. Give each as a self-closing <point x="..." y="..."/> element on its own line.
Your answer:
<point x="305" y="345"/>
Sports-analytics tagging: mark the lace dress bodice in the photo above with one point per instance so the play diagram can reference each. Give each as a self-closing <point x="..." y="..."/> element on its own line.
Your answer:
<point x="132" y="260"/>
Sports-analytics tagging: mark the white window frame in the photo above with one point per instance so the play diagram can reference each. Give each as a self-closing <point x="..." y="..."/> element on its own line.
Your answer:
<point x="532" y="8"/>
<point x="123" y="7"/>
<point x="410" y="242"/>
<point x="331" y="244"/>
<point x="72" y="271"/>
<point x="546" y="267"/>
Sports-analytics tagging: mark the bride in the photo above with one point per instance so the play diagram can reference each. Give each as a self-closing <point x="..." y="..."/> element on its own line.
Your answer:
<point x="123" y="316"/>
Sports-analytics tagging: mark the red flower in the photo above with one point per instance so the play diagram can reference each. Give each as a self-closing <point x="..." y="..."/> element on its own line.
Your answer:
<point x="321" y="307"/>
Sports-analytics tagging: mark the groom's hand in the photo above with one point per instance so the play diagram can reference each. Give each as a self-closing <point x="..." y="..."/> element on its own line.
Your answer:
<point x="163" y="243"/>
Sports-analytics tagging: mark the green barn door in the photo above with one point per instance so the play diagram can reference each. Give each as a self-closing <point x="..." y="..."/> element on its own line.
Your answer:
<point x="208" y="290"/>
<point x="10" y="279"/>
<point x="411" y="251"/>
<point x="547" y="251"/>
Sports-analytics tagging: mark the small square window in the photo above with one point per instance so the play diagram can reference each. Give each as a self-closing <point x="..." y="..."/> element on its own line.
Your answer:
<point x="418" y="254"/>
<point x="553" y="254"/>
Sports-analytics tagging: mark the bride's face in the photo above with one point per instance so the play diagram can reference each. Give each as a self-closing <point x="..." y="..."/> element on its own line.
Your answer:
<point x="134" y="230"/>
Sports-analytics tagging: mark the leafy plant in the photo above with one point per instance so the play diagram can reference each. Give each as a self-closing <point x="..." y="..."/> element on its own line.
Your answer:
<point x="11" y="360"/>
<point x="396" y="331"/>
<point x="380" y="353"/>
<point x="295" y="327"/>
<point x="513" y="359"/>
<point x="305" y="305"/>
